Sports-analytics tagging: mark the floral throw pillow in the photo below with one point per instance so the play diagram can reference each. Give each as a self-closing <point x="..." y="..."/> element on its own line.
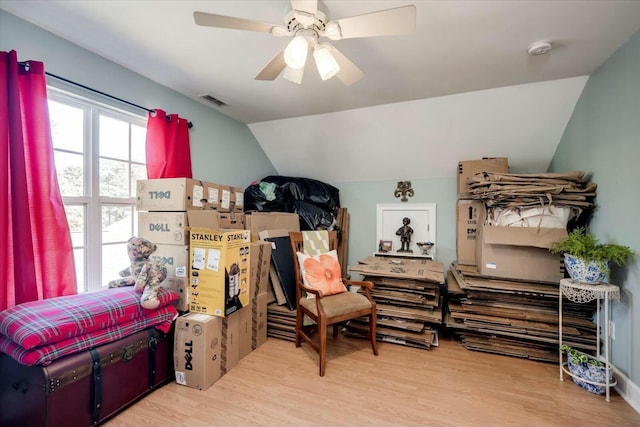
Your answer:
<point x="321" y="272"/>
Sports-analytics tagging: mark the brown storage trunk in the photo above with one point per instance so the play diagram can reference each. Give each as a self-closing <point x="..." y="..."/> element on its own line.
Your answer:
<point x="85" y="388"/>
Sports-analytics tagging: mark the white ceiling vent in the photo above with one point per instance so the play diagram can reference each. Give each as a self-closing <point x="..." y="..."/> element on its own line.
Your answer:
<point x="213" y="100"/>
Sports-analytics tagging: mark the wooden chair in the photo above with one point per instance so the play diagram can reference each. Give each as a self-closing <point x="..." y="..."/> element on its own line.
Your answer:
<point x="331" y="309"/>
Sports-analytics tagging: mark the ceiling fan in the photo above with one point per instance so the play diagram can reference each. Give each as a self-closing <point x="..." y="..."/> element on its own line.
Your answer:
<point x="308" y="24"/>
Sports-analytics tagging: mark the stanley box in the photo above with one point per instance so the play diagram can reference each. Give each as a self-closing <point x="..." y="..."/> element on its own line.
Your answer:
<point x="220" y="270"/>
<point x="85" y="388"/>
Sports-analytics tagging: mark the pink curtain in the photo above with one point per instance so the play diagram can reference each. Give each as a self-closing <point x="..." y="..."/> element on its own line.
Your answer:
<point x="168" y="150"/>
<point x="36" y="254"/>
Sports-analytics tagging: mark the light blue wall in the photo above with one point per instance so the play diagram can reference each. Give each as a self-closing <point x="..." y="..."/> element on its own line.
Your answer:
<point x="215" y="139"/>
<point x="361" y="198"/>
<point x="603" y="138"/>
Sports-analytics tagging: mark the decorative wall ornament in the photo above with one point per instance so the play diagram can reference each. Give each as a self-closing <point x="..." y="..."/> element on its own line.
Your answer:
<point x="404" y="189"/>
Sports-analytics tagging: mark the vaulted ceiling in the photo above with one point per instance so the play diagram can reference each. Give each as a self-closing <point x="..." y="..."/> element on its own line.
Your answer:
<point x="461" y="87"/>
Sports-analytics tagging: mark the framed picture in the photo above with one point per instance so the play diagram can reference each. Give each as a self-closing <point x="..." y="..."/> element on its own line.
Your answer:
<point x="422" y="220"/>
<point x="385" y="246"/>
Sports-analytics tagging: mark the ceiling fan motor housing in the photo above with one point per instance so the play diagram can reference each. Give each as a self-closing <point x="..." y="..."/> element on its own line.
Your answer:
<point x="295" y="21"/>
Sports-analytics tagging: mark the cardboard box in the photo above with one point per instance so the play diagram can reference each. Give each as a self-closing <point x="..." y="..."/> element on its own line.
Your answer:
<point x="181" y="286"/>
<point x="468" y="216"/>
<point x="220" y="265"/>
<point x="216" y="220"/>
<point x="467" y="168"/>
<point x="170" y="194"/>
<point x="212" y="194"/>
<point x="260" y="264"/>
<point x="253" y="325"/>
<point x="238" y="199"/>
<point x="225" y="194"/>
<point x="164" y="227"/>
<point x="174" y="257"/>
<point x="520" y="253"/>
<point x="205" y="348"/>
<point x="172" y="228"/>
<point x="261" y="221"/>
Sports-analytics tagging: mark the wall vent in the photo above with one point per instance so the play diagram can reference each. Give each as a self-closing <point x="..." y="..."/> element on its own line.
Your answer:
<point x="213" y="100"/>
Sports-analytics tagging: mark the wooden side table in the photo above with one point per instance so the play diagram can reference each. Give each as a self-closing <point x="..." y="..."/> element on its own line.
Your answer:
<point x="580" y="292"/>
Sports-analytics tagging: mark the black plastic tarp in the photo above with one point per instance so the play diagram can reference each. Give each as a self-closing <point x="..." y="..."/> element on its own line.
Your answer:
<point x="314" y="201"/>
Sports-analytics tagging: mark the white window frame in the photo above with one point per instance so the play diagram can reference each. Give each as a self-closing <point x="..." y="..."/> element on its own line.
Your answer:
<point x="91" y="200"/>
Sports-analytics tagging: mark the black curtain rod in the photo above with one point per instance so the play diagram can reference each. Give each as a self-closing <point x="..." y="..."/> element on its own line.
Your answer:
<point x="104" y="94"/>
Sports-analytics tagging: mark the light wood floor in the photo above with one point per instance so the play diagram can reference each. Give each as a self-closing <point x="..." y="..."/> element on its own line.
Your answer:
<point x="278" y="385"/>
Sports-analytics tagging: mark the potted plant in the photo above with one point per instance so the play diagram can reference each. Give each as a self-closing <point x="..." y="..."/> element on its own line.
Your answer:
<point x="585" y="368"/>
<point x="588" y="260"/>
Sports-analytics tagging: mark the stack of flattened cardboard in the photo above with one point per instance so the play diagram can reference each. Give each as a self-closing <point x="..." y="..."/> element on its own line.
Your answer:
<point x="528" y="190"/>
<point x="407" y="295"/>
<point x="281" y="322"/>
<point x="515" y="318"/>
<point x="272" y="226"/>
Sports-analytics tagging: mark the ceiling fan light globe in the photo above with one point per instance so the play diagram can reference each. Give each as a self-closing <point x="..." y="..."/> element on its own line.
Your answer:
<point x="325" y="62"/>
<point x="293" y="74"/>
<point x="295" y="54"/>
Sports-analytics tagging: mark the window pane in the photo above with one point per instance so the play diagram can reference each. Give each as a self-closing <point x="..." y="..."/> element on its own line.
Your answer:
<point x="137" y="172"/>
<point x="114" y="178"/>
<point x="78" y="256"/>
<point x="76" y="220"/>
<point x="117" y="223"/>
<point x="114" y="138"/>
<point x="138" y="144"/>
<point x="67" y="126"/>
<point x="114" y="260"/>
<point x="70" y="169"/>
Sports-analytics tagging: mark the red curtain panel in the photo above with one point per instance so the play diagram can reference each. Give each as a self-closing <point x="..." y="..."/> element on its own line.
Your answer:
<point x="168" y="150"/>
<point x="36" y="253"/>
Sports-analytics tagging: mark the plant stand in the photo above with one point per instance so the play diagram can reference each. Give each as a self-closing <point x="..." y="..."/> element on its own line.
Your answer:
<point x="580" y="292"/>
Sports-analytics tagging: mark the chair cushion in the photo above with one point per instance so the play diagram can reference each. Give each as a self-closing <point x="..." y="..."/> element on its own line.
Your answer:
<point x="339" y="304"/>
<point x="321" y="272"/>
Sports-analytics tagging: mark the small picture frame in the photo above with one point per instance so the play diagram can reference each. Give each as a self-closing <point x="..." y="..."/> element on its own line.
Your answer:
<point x="385" y="246"/>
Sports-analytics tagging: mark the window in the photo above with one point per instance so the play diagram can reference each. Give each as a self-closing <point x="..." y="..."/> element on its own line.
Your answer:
<point x="99" y="154"/>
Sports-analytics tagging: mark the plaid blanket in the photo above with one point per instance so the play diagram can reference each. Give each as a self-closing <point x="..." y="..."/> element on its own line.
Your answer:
<point x="39" y="323"/>
<point x="44" y="355"/>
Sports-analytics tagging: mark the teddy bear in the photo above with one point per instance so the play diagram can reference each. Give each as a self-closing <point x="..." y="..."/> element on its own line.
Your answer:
<point x="144" y="274"/>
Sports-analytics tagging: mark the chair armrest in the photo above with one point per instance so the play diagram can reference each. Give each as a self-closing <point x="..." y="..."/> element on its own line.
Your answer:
<point x="302" y="288"/>
<point x="363" y="284"/>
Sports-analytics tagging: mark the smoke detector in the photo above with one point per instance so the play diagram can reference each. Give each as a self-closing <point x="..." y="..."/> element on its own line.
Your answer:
<point x="539" y="48"/>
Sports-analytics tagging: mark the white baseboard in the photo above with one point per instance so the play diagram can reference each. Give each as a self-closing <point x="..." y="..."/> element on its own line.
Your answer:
<point x="629" y="391"/>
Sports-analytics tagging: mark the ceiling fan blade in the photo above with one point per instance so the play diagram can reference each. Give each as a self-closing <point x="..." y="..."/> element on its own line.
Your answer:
<point x="221" y="21"/>
<point x="273" y="68"/>
<point x="349" y="72"/>
<point x="390" y="22"/>
<point x="307" y="6"/>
